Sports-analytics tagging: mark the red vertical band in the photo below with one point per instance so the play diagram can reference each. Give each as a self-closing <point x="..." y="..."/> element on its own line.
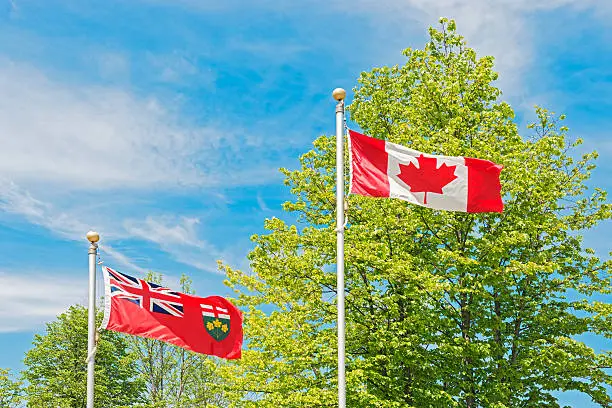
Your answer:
<point x="369" y="161"/>
<point x="484" y="187"/>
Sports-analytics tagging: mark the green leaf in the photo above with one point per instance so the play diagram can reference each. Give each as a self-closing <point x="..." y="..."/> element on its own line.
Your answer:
<point x="442" y="309"/>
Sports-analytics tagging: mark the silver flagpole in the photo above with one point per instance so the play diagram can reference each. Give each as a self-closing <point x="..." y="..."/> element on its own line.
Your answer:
<point x="93" y="238"/>
<point x="339" y="94"/>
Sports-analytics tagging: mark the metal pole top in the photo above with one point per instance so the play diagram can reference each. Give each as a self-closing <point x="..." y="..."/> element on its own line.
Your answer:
<point x="93" y="237"/>
<point x="339" y="94"/>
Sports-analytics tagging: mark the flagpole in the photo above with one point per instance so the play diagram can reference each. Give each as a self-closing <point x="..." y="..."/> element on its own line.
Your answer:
<point x="93" y="238"/>
<point x="339" y="94"/>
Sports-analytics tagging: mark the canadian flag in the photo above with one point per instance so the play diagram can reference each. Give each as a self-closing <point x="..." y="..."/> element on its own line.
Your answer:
<point x="383" y="169"/>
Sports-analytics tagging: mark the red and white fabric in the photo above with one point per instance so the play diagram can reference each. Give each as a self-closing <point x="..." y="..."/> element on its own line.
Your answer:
<point x="383" y="169"/>
<point x="210" y="325"/>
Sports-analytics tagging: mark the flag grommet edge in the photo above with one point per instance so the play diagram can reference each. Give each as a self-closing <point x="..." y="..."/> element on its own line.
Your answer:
<point x="107" y="298"/>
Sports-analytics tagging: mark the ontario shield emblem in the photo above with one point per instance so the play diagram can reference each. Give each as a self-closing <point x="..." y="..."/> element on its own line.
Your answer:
<point x="216" y="321"/>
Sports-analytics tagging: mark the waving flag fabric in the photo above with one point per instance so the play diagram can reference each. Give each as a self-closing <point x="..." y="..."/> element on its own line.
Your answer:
<point x="383" y="169"/>
<point x="210" y="325"/>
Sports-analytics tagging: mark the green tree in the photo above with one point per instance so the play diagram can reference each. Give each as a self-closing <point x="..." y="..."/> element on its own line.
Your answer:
<point x="56" y="370"/>
<point x="173" y="376"/>
<point x="444" y="309"/>
<point x="10" y="390"/>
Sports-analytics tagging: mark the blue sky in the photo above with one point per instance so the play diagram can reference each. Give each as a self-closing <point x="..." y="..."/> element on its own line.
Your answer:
<point x="162" y="123"/>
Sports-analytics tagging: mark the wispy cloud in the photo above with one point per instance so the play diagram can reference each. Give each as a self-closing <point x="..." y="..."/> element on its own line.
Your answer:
<point x="123" y="259"/>
<point x="15" y="200"/>
<point x="111" y="65"/>
<point x="178" y="237"/>
<point x="59" y="138"/>
<point x="29" y="300"/>
<point x="502" y="28"/>
<point x="92" y="138"/>
<point x="175" y="235"/>
<point x="166" y="230"/>
<point x="263" y="207"/>
<point x="179" y="67"/>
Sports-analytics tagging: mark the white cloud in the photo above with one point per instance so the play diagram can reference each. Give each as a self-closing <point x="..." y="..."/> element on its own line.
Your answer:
<point x="178" y="237"/>
<point x="502" y="28"/>
<point x="122" y="259"/>
<point x="263" y="207"/>
<point x="94" y="137"/>
<point x="15" y="200"/>
<point x="57" y="138"/>
<point x="111" y="65"/>
<point x="29" y="300"/>
<point x="181" y="68"/>
<point x="166" y="230"/>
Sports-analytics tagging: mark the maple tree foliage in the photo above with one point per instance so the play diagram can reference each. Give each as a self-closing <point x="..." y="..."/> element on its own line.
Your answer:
<point x="56" y="370"/>
<point x="174" y="377"/>
<point x="11" y="392"/>
<point x="427" y="177"/>
<point x="443" y="309"/>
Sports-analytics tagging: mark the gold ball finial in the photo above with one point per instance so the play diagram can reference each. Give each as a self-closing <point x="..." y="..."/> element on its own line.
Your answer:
<point x="93" y="237"/>
<point x="339" y="94"/>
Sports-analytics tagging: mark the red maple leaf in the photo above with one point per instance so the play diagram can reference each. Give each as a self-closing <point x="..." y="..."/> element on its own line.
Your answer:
<point x="426" y="178"/>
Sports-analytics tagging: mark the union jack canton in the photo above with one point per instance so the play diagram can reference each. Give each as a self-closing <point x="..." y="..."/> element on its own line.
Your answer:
<point x="147" y="295"/>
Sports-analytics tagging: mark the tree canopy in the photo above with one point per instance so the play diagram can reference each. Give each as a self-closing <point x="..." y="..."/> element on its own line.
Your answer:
<point x="11" y="392"/>
<point x="56" y="370"/>
<point x="444" y="309"/>
<point x="173" y="376"/>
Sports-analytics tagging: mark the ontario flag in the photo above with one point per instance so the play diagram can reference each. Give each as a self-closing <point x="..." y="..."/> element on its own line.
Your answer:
<point x="384" y="169"/>
<point x="210" y="325"/>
